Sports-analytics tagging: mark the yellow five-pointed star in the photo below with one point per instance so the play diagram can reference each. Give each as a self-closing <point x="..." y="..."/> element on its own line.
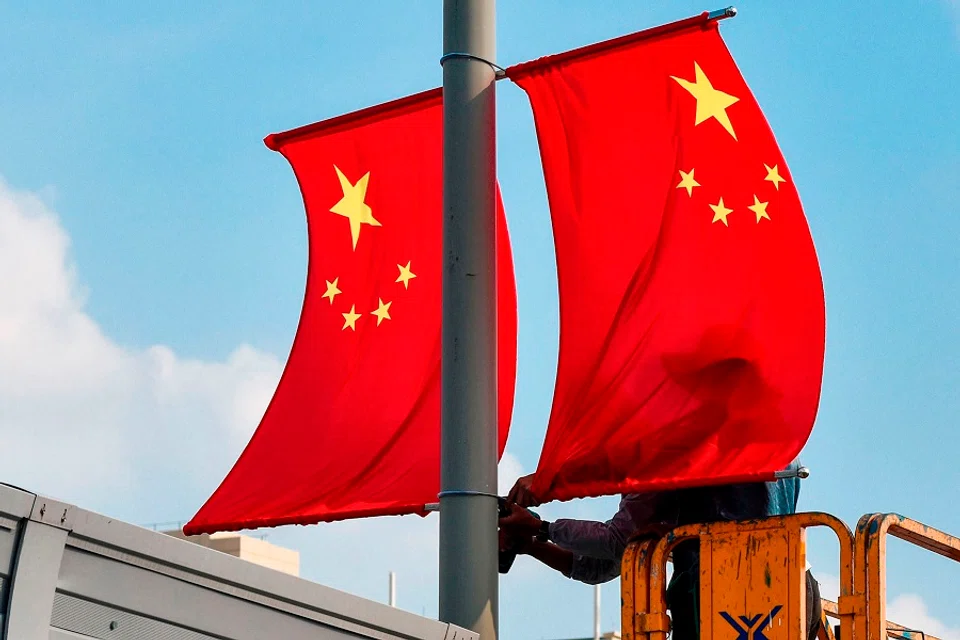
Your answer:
<point x="352" y="206"/>
<point x="773" y="175"/>
<point x="720" y="212"/>
<point x="405" y="275"/>
<point x="332" y="290"/>
<point x="711" y="103"/>
<point x="687" y="182"/>
<point x="759" y="208"/>
<point x="350" y="318"/>
<point x="382" y="312"/>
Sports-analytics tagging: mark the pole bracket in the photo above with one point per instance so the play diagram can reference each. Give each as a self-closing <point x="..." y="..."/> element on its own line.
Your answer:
<point x="465" y="492"/>
<point x="498" y="71"/>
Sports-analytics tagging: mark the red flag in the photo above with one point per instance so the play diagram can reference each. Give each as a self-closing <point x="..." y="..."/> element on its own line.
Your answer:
<point x="354" y="427"/>
<point x="691" y="302"/>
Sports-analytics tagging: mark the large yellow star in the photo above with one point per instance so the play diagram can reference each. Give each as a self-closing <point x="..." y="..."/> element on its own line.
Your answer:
<point x="352" y="206"/>
<point x="382" y="312"/>
<point x="405" y="275"/>
<point x="711" y="103"/>
<point x="332" y="290"/>
<point x="350" y="318"/>
<point x="720" y="212"/>
<point x="687" y="182"/>
<point x="773" y="175"/>
<point x="759" y="208"/>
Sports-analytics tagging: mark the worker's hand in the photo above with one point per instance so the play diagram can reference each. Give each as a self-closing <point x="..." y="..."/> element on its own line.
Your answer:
<point x="521" y="494"/>
<point x="519" y="523"/>
<point x="510" y="542"/>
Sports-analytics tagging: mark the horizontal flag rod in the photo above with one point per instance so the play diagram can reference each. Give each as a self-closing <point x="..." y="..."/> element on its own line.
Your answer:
<point x="392" y="108"/>
<point x="525" y="68"/>
<point x="720" y="14"/>
<point x="799" y="472"/>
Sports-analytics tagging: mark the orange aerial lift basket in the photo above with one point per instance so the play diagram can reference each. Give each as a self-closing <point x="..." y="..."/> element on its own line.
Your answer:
<point x="752" y="578"/>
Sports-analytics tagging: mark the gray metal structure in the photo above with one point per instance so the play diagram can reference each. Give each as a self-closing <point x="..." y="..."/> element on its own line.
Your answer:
<point x="468" y="502"/>
<point x="70" y="574"/>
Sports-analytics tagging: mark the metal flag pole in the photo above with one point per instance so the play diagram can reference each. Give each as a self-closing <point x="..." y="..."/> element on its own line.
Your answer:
<point x="596" y="613"/>
<point x="468" y="502"/>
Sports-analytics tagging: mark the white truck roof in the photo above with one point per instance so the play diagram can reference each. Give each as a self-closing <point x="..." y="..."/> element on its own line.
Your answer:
<point x="67" y="574"/>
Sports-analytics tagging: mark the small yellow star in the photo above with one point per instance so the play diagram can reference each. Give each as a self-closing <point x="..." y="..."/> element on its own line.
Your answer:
<point x="720" y="212"/>
<point x="687" y="182"/>
<point x="332" y="290"/>
<point x="773" y="175"/>
<point x="759" y="208"/>
<point x="352" y="206"/>
<point x="382" y="312"/>
<point x="405" y="275"/>
<point x="350" y="318"/>
<point x="711" y="103"/>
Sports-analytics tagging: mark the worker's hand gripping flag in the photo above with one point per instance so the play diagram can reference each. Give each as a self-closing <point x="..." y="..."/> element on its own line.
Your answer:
<point x="691" y="302"/>
<point x="354" y="427"/>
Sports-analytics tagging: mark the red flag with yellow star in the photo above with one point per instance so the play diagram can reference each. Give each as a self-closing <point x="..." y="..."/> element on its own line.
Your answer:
<point x="353" y="429"/>
<point x="691" y="302"/>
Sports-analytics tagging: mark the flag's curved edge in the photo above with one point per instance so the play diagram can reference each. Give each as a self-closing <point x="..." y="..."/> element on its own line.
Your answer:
<point x="192" y="529"/>
<point x="813" y="243"/>
<point x="211" y="527"/>
<point x="514" y="321"/>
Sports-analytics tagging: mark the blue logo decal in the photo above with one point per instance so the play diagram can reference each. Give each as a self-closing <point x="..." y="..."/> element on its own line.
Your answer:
<point x="751" y="628"/>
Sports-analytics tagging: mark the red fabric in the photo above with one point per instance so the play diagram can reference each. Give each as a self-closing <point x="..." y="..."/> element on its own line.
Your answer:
<point x="353" y="429"/>
<point x="691" y="350"/>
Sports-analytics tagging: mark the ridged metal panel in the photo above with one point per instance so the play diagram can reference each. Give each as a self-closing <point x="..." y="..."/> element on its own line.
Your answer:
<point x="106" y="623"/>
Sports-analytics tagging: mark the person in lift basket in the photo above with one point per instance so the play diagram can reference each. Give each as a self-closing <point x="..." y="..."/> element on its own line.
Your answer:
<point x="591" y="552"/>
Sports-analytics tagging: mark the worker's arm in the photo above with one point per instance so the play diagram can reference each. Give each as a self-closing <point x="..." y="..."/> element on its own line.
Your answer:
<point x="601" y="540"/>
<point x="576" y="567"/>
<point x="551" y="555"/>
<point x="605" y="540"/>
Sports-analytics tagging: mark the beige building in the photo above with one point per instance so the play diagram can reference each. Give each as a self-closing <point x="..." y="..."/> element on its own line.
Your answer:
<point x="247" y="548"/>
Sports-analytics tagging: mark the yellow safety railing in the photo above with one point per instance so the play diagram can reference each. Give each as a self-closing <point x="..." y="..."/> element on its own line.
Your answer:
<point x="752" y="578"/>
<point x="871" y="578"/>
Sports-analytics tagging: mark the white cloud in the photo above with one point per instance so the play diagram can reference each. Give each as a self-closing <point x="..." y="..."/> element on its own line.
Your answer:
<point x="953" y="8"/>
<point x="93" y="422"/>
<point x="829" y="585"/>
<point x="507" y="473"/>
<point x="907" y="609"/>
<point x="911" y="611"/>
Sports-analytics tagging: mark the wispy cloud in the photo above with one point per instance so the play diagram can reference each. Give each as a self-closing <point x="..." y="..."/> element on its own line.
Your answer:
<point x="908" y="609"/>
<point x="88" y="420"/>
<point x="911" y="611"/>
<point x="953" y="8"/>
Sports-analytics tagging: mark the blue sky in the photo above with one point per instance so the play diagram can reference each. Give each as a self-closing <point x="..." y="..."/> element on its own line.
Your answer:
<point x="154" y="253"/>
